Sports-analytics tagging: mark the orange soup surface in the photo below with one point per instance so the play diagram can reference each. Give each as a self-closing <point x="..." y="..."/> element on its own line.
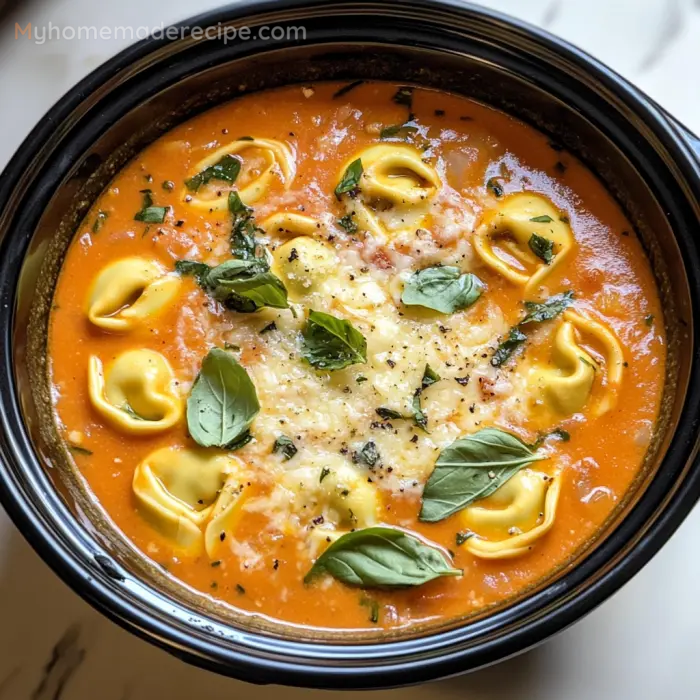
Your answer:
<point x="357" y="359"/>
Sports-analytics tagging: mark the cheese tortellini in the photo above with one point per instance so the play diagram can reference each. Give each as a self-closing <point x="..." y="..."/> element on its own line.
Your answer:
<point x="193" y="497"/>
<point x="137" y="392"/>
<point x="303" y="263"/>
<point x="263" y="162"/>
<point x="339" y="493"/>
<point x="510" y="521"/>
<point x="510" y="227"/>
<point x="290" y="224"/>
<point x="395" y="190"/>
<point x="130" y="292"/>
<point x="566" y="388"/>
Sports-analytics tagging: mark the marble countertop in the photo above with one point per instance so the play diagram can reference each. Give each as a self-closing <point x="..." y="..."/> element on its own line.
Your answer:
<point x="640" y="645"/>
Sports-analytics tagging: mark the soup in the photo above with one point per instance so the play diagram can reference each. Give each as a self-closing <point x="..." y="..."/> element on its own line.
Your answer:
<point x="359" y="356"/>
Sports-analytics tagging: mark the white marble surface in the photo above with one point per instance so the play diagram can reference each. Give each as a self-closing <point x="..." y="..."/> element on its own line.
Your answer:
<point x="640" y="645"/>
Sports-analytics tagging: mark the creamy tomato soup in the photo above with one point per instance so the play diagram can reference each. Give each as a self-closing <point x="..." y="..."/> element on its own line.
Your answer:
<point x="357" y="356"/>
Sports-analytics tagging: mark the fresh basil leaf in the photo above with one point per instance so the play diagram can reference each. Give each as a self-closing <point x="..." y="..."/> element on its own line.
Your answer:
<point x="284" y="446"/>
<point x="507" y="347"/>
<point x="246" y="286"/>
<point x="398" y="131"/>
<point x="548" y="309"/>
<point x="223" y="402"/>
<point x="348" y="223"/>
<point x="542" y="247"/>
<point x="199" y="270"/>
<point x="225" y="170"/>
<point x="442" y="288"/>
<point x="430" y="376"/>
<point x="543" y="219"/>
<point x="368" y="455"/>
<point x="332" y="343"/>
<point x="470" y="469"/>
<point x="150" y="214"/>
<point x="351" y="178"/>
<point x="494" y="187"/>
<point x="382" y="557"/>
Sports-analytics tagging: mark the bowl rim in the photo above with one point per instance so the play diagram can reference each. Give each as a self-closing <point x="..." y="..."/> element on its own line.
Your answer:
<point x="83" y="565"/>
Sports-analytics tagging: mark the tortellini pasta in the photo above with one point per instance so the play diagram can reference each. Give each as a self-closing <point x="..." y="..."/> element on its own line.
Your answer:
<point x="290" y="224"/>
<point x="395" y="190"/>
<point x="303" y="263"/>
<point x="339" y="493"/>
<point x="510" y="521"/>
<point x="190" y="496"/>
<point x="137" y="392"/>
<point x="510" y="226"/>
<point x="566" y="388"/>
<point x="263" y="161"/>
<point x="130" y="292"/>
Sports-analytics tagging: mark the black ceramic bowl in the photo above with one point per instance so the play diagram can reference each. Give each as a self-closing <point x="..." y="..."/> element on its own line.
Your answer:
<point x="647" y="161"/>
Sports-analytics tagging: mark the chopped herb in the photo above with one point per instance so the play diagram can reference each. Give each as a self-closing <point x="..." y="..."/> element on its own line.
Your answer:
<point x="368" y="455"/>
<point x="150" y="214"/>
<point x="240" y="589"/>
<point x="543" y="219"/>
<point x="272" y="326"/>
<point x="243" y="242"/>
<point x="99" y="220"/>
<point x="284" y="446"/>
<point x="548" y="309"/>
<point x="558" y="433"/>
<point x="430" y="376"/>
<point x="462" y="537"/>
<point x="324" y="473"/>
<point x="348" y="223"/>
<point x="404" y="97"/>
<point x="226" y="170"/>
<point x="361" y="379"/>
<point x="494" y="187"/>
<point x="351" y="179"/>
<point x="347" y="88"/>
<point x="420" y="417"/>
<point x="388" y="413"/>
<point x="398" y="131"/>
<point x="507" y="347"/>
<point x="126" y="407"/>
<point x="538" y="312"/>
<point x="373" y="609"/>
<point x="77" y="449"/>
<point x="649" y="320"/>
<point x="542" y="247"/>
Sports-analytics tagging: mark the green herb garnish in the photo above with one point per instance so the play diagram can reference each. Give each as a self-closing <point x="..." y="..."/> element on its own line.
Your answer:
<point x="332" y="343"/>
<point x="226" y="170"/>
<point x="351" y="179"/>
<point x="442" y="288"/>
<point x="542" y="247"/>
<point x="284" y="446"/>
<point x="150" y="214"/>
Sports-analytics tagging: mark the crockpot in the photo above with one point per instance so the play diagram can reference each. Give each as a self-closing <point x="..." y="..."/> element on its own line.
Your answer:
<point x="649" y="162"/>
